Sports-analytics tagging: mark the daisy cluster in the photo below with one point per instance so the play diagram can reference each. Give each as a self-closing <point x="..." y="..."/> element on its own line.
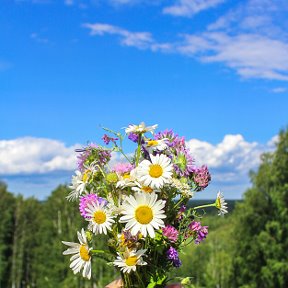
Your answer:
<point x="139" y="204"/>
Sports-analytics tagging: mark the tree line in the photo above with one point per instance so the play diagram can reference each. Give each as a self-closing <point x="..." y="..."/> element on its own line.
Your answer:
<point x="247" y="249"/>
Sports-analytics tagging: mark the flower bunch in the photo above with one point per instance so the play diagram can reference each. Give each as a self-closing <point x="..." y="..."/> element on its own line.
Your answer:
<point x="139" y="204"/>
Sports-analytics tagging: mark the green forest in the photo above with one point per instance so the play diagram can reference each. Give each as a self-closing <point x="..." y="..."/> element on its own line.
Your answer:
<point x="246" y="248"/>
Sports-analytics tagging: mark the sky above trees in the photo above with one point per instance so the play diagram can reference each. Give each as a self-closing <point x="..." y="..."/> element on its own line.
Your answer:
<point x="215" y="71"/>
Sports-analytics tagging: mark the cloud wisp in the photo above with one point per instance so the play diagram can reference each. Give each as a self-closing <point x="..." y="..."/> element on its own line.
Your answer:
<point x="140" y="40"/>
<point x="189" y="8"/>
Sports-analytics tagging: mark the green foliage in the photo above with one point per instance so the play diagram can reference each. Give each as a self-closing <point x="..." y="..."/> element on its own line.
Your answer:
<point x="260" y="255"/>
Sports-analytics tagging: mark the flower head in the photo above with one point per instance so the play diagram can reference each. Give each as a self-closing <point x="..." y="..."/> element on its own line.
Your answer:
<point x="170" y="232"/>
<point x="126" y="239"/>
<point x="155" y="173"/>
<point x="202" y="177"/>
<point x="79" y="184"/>
<point x="122" y="168"/>
<point x="89" y="199"/>
<point x="143" y="213"/>
<point x="184" y="163"/>
<point x="198" y="231"/>
<point x="107" y="139"/>
<point x="155" y="145"/>
<point x="173" y="256"/>
<point x="220" y="204"/>
<point x="129" y="260"/>
<point x="140" y="129"/>
<point x="81" y="258"/>
<point x="99" y="217"/>
<point x="133" y="137"/>
<point x="92" y="154"/>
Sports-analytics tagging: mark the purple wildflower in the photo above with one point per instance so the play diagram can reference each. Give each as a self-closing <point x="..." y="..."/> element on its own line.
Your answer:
<point x="184" y="163"/>
<point x="200" y="231"/>
<point x="133" y="137"/>
<point x="202" y="177"/>
<point x="173" y="256"/>
<point x="85" y="153"/>
<point x="122" y="168"/>
<point x="170" y="232"/>
<point x="181" y="212"/>
<point x="107" y="139"/>
<point x="202" y="234"/>
<point x="89" y="199"/>
<point x="100" y="156"/>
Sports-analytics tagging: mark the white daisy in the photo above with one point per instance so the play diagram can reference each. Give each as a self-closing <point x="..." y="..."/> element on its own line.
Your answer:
<point x="141" y="188"/>
<point x="155" y="173"/>
<point x="129" y="260"/>
<point x="156" y="145"/>
<point x="127" y="179"/>
<point x="220" y="204"/>
<point x="79" y="183"/>
<point x="81" y="258"/>
<point x="141" y="128"/>
<point x="143" y="213"/>
<point x="100" y="219"/>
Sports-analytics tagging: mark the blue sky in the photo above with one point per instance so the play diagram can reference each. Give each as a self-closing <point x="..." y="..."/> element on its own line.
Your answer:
<point x="215" y="71"/>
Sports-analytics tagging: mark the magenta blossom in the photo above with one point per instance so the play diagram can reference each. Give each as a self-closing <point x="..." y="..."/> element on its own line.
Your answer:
<point x="202" y="177"/>
<point x="89" y="199"/>
<point x="170" y="232"/>
<point x="122" y="168"/>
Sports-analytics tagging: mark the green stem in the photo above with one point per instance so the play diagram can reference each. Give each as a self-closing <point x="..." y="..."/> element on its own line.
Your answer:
<point x="205" y="206"/>
<point x="138" y="149"/>
<point x="140" y="279"/>
<point x="122" y="152"/>
<point x="178" y="203"/>
<point x="100" y="252"/>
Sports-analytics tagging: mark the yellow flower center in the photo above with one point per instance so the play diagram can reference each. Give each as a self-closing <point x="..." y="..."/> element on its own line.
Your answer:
<point x="155" y="171"/>
<point x="85" y="176"/>
<point x="218" y="203"/>
<point x="99" y="217"/>
<point x="152" y="143"/>
<point x="84" y="253"/>
<point x="147" y="189"/>
<point x="144" y="214"/>
<point x="131" y="261"/>
<point x="126" y="176"/>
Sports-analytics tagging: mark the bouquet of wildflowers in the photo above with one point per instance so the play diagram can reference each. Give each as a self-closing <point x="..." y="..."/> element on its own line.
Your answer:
<point x="139" y="203"/>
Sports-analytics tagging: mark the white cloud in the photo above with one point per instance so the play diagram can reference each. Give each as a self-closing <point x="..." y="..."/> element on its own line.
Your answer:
<point x="35" y="155"/>
<point x="191" y="7"/>
<point x="141" y="40"/>
<point x="279" y="90"/>
<point x="251" y="55"/>
<point x="36" y="37"/>
<point x="231" y="159"/>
